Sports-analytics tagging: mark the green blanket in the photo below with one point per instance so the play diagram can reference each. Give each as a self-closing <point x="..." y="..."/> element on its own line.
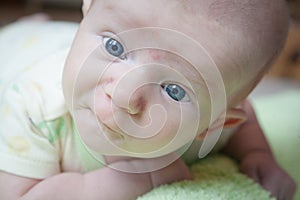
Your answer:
<point x="217" y="176"/>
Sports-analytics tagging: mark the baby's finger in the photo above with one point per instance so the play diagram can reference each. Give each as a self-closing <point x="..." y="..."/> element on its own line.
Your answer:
<point x="287" y="192"/>
<point x="283" y="191"/>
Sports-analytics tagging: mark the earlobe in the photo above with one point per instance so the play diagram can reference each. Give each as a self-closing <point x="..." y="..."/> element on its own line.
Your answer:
<point x="234" y="117"/>
<point x="86" y="6"/>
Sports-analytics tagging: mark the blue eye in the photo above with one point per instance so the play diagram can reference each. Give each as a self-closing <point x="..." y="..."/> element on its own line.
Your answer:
<point x="114" y="47"/>
<point x="176" y="92"/>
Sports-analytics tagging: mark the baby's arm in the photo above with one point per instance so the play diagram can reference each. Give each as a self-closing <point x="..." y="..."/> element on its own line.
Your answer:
<point x="249" y="146"/>
<point x="105" y="183"/>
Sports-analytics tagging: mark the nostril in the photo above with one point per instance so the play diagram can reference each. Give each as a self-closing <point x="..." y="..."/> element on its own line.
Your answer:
<point x="107" y="92"/>
<point x="108" y="88"/>
<point x="137" y="105"/>
<point x="132" y="111"/>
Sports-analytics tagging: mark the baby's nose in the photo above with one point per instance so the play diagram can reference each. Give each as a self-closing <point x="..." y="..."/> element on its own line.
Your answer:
<point x="128" y="91"/>
<point x="137" y="102"/>
<point x="133" y="102"/>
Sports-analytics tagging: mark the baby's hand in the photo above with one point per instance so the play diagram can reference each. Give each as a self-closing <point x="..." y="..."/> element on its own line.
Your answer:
<point x="177" y="171"/>
<point x="262" y="168"/>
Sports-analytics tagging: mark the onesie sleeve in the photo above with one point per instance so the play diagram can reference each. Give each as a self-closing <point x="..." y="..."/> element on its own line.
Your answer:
<point x="31" y="99"/>
<point x="25" y="149"/>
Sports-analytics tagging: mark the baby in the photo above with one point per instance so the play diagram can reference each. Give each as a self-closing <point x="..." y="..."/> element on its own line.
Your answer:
<point x="143" y="83"/>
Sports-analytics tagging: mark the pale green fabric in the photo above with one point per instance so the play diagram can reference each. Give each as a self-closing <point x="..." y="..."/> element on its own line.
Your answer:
<point x="216" y="178"/>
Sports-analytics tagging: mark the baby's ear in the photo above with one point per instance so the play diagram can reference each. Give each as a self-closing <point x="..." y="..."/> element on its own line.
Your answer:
<point x="86" y="6"/>
<point x="234" y="117"/>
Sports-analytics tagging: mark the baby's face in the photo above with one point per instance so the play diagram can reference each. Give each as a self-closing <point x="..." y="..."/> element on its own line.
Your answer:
<point x="139" y="81"/>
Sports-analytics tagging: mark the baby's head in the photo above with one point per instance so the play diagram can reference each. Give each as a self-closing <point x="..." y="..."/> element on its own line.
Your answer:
<point x="143" y="78"/>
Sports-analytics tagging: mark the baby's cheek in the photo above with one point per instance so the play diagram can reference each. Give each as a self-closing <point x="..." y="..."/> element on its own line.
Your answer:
<point x="180" y="127"/>
<point x="190" y="121"/>
<point x="155" y="55"/>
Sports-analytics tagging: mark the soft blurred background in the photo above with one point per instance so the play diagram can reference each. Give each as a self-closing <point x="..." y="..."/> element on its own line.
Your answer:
<point x="67" y="10"/>
<point x="288" y="64"/>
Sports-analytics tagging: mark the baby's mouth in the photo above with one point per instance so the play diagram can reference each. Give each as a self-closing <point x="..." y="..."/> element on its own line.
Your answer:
<point x="105" y="114"/>
<point x="112" y="135"/>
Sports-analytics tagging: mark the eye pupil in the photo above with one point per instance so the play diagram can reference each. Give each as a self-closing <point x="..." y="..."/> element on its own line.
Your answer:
<point x="175" y="91"/>
<point x="115" y="47"/>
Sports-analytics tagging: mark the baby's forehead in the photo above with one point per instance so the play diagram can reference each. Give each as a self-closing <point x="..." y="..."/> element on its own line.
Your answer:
<point x="183" y="17"/>
<point x="239" y="35"/>
<point x="200" y="21"/>
<point x="167" y="14"/>
<point x="178" y="10"/>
